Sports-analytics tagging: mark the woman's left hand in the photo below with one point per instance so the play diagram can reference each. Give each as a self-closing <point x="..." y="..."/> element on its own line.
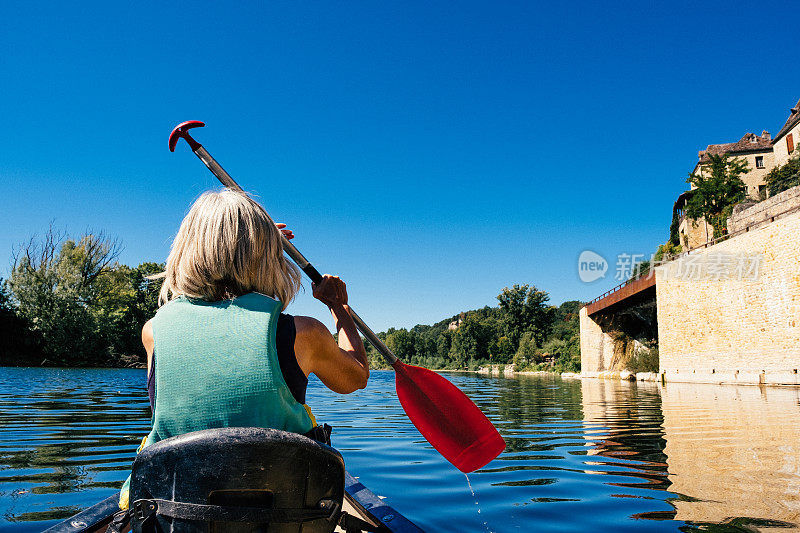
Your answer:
<point x="286" y="232"/>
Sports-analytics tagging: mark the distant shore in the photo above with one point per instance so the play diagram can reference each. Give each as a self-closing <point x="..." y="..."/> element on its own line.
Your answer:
<point x="624" y="375"/>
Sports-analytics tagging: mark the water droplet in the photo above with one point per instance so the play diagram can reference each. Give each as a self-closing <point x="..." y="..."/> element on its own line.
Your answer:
<point x="485" y="524"/>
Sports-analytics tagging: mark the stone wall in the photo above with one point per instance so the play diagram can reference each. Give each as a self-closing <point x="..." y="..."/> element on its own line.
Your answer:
<point x="763" y="211"/>
<point x="734" y="329"/>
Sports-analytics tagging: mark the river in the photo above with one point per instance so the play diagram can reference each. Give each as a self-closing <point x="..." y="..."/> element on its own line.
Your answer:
<point x="582" y="455"/>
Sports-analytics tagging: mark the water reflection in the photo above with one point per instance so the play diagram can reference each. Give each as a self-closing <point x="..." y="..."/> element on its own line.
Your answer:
<point x="734" y="452"/>
<point x="625" y="441"/>
<point x="729" y="455"/>
<point x="588" y="455"/>
<point x="68" y="438"/>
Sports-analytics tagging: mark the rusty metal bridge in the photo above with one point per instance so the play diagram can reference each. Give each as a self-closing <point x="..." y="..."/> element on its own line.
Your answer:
<point x="628" y="293"/>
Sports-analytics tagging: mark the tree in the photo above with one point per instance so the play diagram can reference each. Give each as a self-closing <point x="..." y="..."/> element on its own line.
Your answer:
<point x="524" y="308"/>
<point x="716" y="194"/>
<point x="503" y="350"/>
<point x="376" y="360"/>
<point x="470" y="341"/>
<point x="128" y="299"/>
<point x="641" y="268"/>
<point x="19" y="346"/>
<point x="401" y="343"/>
<point x="527" y="353"/>
<point x="6" y="303"/>
<point x="444" y="341"/>
<point x="57" y="284"/>
<point x="674" y="226"/>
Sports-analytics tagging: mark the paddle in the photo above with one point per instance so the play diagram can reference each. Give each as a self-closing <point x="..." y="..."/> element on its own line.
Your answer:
<point x="444" y="415"/>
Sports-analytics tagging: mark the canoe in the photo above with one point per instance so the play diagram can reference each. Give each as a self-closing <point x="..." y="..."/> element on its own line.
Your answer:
<point x="358" y="501"/>
<point x="185" y="473"/>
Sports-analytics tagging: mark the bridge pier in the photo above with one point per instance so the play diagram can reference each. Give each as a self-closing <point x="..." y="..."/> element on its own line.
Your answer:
<point x="597" y="346"/>
<point x="618" y="326"/>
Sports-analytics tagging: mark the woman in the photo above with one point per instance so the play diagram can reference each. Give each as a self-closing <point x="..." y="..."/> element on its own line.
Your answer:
<point x="219" y="351"/>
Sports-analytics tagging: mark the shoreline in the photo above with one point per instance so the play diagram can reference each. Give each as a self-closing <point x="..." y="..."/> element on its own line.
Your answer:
<point x="623" y="375"/>
<point x="747" y="379"/>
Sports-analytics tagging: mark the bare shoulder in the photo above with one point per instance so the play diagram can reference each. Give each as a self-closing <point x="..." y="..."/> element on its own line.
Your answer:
<point x="147" y="335"/>
<point x="148" y="342"/>
<point x="313" y="341"/>
<point x="310" y="329"/>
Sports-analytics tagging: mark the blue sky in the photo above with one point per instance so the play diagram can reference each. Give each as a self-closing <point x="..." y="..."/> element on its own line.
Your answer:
<point x="430" y="154"/>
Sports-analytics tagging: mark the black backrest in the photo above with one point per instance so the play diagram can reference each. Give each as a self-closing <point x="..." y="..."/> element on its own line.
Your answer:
<point x="240" y="467"/>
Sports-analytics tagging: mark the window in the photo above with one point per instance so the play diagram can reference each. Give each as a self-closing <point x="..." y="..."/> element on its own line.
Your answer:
<point x="762" y="192"/>
<point x="753" y="139"/>
<point x="759" y="161"/>
<point x="789" y="143"/>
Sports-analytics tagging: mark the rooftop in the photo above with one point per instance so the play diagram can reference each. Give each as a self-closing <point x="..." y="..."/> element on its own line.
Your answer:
<point x="749" y="143"/>
<point x="794" y="118"/>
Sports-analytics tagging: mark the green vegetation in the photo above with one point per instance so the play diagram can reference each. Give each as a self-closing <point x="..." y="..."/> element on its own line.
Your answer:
<point x="664" y="253"/>
<point x="785" y="176"/>
<point x="716" y="194"/>
<point x="522" y="330"/>
<point x="643" y="360"/>
<point x="71" y="303"/>
<point x="674" y="236"/>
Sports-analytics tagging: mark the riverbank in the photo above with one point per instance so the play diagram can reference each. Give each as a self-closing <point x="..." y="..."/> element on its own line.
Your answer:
<point x="24" y="363"/>
<point x="761" y="378"/>
<point x="624" y="375"/>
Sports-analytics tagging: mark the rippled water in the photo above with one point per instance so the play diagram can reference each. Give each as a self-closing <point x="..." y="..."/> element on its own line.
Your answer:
<point x="582" y="455"/>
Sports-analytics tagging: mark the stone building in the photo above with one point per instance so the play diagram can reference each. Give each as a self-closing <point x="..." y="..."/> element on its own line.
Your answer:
<point x="692" y="232"/>
<point x="756" y="151"/>
<point x="786" y="140"/>
<point x="762" y="154"/>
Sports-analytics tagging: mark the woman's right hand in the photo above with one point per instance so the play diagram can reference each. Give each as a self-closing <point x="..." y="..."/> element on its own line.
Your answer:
<point x="343" y="368"/>
<point x="331" y="291"/>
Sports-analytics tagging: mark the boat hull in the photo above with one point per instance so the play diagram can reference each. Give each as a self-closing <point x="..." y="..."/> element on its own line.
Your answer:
<point x="359" y="501"/>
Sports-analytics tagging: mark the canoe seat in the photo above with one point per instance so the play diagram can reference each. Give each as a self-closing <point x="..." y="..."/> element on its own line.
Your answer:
<point x="236" y="480"/>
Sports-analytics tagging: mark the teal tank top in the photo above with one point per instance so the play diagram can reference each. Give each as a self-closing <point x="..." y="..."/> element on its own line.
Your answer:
<point x="216" y="365"/>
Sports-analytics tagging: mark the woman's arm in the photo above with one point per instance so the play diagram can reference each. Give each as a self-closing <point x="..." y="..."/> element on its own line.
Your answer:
<point x="343" y="368"/>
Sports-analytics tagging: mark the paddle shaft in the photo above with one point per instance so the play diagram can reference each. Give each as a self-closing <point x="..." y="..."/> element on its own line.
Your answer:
<point x="292" y="251"/>
<point x="444" y="415"/>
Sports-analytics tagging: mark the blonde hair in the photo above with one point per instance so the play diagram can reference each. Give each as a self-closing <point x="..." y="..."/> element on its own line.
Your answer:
<point x="227" y="246"/>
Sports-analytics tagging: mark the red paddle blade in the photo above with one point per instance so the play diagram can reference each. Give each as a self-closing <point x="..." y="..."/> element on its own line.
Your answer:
<point x="447" y="418"/>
